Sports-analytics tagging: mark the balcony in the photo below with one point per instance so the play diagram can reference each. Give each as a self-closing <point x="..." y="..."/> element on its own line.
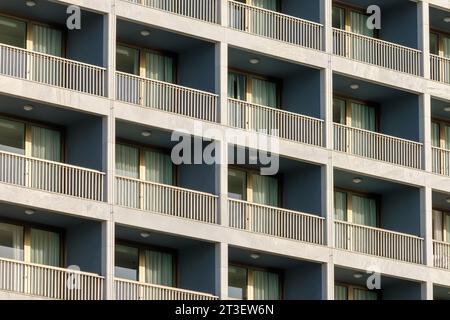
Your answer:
<point x="441" y="230"/>
<point x="49" y="282"/>
<point x="441" y="161"/>
<point x="441" y="252"/>
<point x="132" y="290"/>
<point x="275" y="25"/>
<point x="205" y="10"/>
<point x="440" y="69"/>
<point x="439" y="49"/>
<point x="440" y="137"/>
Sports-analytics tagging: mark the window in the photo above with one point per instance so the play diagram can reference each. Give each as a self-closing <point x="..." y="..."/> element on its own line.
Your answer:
<point x="127" y="60"/>
<point x="355" y="208"/>
<point x="440" y="44"/>
<point x="13" y="32"/>
<point x="11" y="241"/>
<point x="440" y="134"/>
<point x="355" y="114"/>
<point x="144" y="265"/>
<point x="45" y="247"/>
<point x="348" y="292"/>
<point x="351" y="20"/>
<point x="252" y="187"/>
<point x="441" y="226"/>
<point x="252" y="284"/>
<point x="12" y="136"/>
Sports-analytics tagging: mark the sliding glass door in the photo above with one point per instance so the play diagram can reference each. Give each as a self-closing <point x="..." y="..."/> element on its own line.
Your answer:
<point x="11" y="241"/>
<point x="347" y="292"/>
<point x="13" y="32"/>
<point x="440" y="138"/>
<point x="45" y="248"/>
<point x="355" y="208"/>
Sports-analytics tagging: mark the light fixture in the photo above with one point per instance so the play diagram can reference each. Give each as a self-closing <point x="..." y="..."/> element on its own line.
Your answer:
<point x="28" y="108"/>
<point x="145" y="234"/>
<point x="29" y="212"/>
<point x="30" y="3"/>
<point x="145" y="33"/>
<point x="357" y="180"/>
<point x="447" y="109"/>
<point x="357" y="276"/>
<point x="447" y="19"/>
<point x="255" y="256"/>
<point x="146" y="133"/>
<point x="354" y="86"/>
<point x="254" y="61"/>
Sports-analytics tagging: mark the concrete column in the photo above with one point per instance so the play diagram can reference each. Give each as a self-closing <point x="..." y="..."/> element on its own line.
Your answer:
<point x="223" y="12"/>
<point x="108" y="240"/>
<point x="109" y="49"/>
<point x="222" y="81"/>
<point x="326" y="105"/>
<point x="426" y="223"/>
<point x="222" y="270"/>
<point x="425" y="130"/>
<point x="222" y="182"/>
<point x="326" y="18"/>
<point x="423" y="24"/>
<point x="427" y="291"/>
<point x="328" y="203"/>
<point x="328" y="281"/>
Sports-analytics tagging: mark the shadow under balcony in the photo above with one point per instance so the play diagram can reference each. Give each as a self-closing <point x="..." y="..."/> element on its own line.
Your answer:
<point x="274" y="97"/>
<point x="439" y="45"/>
<point x="285" y="205"/>
<point x="291" y="21"/>
<point x="440" y="137"/>
<point x="394" y="46"/>
<point x="377" y="217"/>
<point x="147" y="179"/>
<point x="376" y="122"/>
<point x="166" y="71"/>
<point x="36" y="45"/>
<point x="49" y="255"/>
<point x="51" y="149"/>
<point x="158" y="266"/>
<point x="441" y="230"/>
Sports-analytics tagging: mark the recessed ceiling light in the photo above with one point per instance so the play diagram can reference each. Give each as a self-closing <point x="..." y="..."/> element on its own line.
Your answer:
<point x="30" y="3"/>
<point x="145" y="33"/>
<point x="29" y="212"/>
<point x="447" y="19"/>
<point x="357" y="275"/>
<point x="357" y="180"/>
<point x="145" y="235"/>
<point x="447" y="109"/>
<point x="146" y="133"/>
<point x="354" y="86"/>
<point x="254" y="61"/>
<point x="255" y="256"/>
<point x="28" y="108"/>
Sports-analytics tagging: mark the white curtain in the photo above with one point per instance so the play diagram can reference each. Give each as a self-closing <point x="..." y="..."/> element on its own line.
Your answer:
<point x="340" y="292"/>
<point x="446" y="44"/>
<point x="339" y="111"/>
<point x="436" y="135"/>
<point x="266" y="286"/>
<point x="361" y="294"/>
<point x="265" y="4"/>
<point x="13" y="235"/>
<point x="265" y="190"/>
<point x="47" y="40"/>
<point x="264" y="93"/>
<point x="447" y="227"/>
<point x="359" y="24"/>
<point x="364" y="211"/>
<point x="159" y="67"/>
<point x="158" y="268"/>
<point x="45" y="248"/>
<point x="363" y="117"/>
<point x="158" y="167"/>
<point x="237" y="86"/>
<point x="340" y="206"/>
<point x="46" y="144"/>
<point x="127" y="161"/>
<point x="438" y="224"/>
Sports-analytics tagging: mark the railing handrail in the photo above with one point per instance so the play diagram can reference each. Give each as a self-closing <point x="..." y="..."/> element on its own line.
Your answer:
<point x="379" y="230"/>
<point x="165" y="288"/>
<point x="276" y="110"/>
<point x="53" y="268"/>
<point x="441" y="243"/>
<point x="277" y="208"/>
<point x="440" y="149"/>
<point x="53" y="162"/>
<point x="377" y="40"/>
<point x="168" y="186"/>
<point x="440" y="57"/>
<point x="54" y="57"/>
<point x="276" y="13"/>
<point x="167" y="84"/>
<point x="378" y="134"/>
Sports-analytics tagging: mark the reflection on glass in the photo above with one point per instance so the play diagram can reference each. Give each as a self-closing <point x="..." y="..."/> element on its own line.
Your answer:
<point x="11" y="241"/>
<point x="237" y="283"/>
<point x="127" y="263"/>
<point x="237" y="184"/>
<point x="12" y="136"/>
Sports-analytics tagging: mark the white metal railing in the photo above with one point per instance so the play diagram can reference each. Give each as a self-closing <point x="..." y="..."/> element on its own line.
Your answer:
<point x="165" y="199"/>
<point x="440" y="68"/>
<point x="378" y="146"/>
<point x="441" y="254"/>
<point x="283" y="124"/>
<point x="275" y="25"/>
<point x="49" y="282"/>
<point x="205" y="10"/>
<point x="441" y="161"/>
<point x="167" y="97"/>
<point x="132" y="290"/>
<point x="378" y="242"/>
<point x="378" y="52"/>
<point x="276" y="222"/>
<point x="52" y="70"/>
<point x="51" y="176"/>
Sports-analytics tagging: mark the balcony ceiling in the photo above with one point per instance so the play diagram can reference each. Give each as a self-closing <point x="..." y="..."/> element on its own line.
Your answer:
<point x="437" y="19"/>
<point x="384" y="4"/>
<point x="441" y="293"/>
<point x="437" y="109"/>
<point x="440" y="201"/>
<point x="159" y="39"/>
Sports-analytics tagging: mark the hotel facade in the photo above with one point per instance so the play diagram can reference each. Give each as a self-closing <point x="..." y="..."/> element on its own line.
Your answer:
<point x="93" y="207"/>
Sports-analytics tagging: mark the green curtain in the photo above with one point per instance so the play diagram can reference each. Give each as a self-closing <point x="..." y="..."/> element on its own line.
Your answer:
<point x="359" y="24"/>
<point x="339" y="111"/>
<point x="266" y="286"/>
<point x="361" y="294"/>
<point x="13" y="236"/>
<point x="159" y="67"/>
<point x="363" y="117"/>
<point x="265" y="190"/>
<point x="438" y="225"/>
<point x="340" y="206"/>
<point x="436" y="135"/>
<point x="340" y="292"/>
<point x="265" y="4"/>
<point x="46" y="144"/>
<point x="158" y="268"/>
<point x="237" y="86"/>
<point x="364" y="211"/>
<point x="45" y="248"/>
<point x="47" y="40"/>
<point x="127" y="161"/>
<point x="158" y="167"/>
